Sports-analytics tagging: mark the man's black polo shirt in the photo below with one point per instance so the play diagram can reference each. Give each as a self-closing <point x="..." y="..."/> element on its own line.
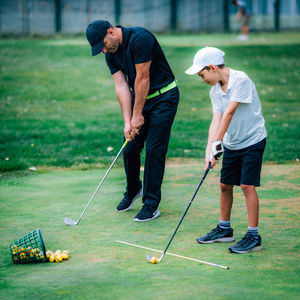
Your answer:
<point x="140" y="46"/>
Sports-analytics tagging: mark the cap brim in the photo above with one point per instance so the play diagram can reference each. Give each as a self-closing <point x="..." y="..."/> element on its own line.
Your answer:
<point x="194" y="69"/>
<point x="96" y="49"/>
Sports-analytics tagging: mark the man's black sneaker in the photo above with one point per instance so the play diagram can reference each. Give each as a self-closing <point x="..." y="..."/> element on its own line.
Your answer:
<point x="127" y="202"/>
<point x="147" y="213"/>
<point x="247" y="244"/>
<point x="217" y="235"/>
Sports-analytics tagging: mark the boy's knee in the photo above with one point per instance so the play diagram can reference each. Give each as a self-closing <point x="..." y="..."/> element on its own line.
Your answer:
<point x="225" y="188"/>
<point x="247" y="188"/>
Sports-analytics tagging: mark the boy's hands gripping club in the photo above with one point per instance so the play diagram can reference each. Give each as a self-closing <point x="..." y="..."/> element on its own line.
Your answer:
<point x="217" y="149"/>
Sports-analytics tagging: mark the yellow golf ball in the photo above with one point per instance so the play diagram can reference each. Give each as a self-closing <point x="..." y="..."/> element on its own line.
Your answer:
<point x="153" y="260"/>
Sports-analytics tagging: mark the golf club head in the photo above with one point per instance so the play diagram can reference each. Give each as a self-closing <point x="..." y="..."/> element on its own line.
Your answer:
<point x="70" y="222"/>
<point x="152" y="259"/>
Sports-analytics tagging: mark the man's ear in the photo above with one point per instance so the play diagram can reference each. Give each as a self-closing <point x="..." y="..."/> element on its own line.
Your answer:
<point x="110" y="30"/>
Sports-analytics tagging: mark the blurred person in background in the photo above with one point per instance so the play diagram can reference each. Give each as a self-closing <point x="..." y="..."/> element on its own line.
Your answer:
<point x="242" y="15"/>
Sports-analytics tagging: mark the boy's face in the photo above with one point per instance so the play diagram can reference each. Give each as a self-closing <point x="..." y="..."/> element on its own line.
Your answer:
<point x="209" y="76"/>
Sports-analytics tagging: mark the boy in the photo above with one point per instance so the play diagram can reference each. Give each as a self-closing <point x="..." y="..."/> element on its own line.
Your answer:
<point x="238" y="124"/>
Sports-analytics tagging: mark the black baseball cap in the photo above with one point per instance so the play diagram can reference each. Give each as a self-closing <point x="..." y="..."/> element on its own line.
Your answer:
<point x="95" y="33"/>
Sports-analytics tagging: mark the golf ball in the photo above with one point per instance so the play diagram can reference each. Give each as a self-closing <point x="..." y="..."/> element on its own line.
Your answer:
<point x="153" y="260"/>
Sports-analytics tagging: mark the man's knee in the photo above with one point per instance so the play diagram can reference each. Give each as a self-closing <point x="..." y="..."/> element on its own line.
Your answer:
<point x="130" y="152"/>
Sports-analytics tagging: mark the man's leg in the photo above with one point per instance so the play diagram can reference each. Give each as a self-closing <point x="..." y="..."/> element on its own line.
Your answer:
<point x="132" y="163"/>
<point x="161" y="118"/>
<point x="160" y="114"/>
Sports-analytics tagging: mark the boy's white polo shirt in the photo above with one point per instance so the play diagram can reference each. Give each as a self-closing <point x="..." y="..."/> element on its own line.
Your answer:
<point x="247" y="126"/>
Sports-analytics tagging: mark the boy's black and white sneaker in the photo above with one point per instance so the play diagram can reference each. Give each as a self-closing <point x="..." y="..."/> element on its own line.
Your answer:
<point x="127" y="201"/>
<point x="147" y="213"/>
<point x="217" y="235"/>
<point x="247" y="244"/>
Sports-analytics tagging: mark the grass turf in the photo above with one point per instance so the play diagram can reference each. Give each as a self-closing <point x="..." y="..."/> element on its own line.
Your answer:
<point x="99" y="268"/>
<point x="58" y="106"/>
<point x="58" y="109"/>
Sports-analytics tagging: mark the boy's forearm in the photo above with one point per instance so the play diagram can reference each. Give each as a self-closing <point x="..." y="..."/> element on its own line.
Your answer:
<point x="225" y="122"/>
<point x="213" y="129"/>
<point x="226" y="119"/>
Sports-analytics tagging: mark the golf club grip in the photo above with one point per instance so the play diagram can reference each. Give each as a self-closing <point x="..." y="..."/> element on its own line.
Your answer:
<point x="197" y="189"/>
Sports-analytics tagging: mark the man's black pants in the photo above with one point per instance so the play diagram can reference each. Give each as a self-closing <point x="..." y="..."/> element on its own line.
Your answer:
<point x="159" y="113"/>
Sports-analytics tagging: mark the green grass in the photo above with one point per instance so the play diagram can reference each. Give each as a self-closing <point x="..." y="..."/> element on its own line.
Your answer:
<point x="58" y="106"/>
<point x="99" y="268"/>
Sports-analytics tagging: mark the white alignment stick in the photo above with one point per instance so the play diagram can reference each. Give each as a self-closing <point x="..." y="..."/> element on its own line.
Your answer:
<point x="172" y="254"/>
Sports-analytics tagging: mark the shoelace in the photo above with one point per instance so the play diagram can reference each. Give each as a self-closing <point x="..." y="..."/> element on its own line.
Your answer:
<point x="215" y="230"/>
<point x="246" y="240"/>
<point x="146" y="208"/>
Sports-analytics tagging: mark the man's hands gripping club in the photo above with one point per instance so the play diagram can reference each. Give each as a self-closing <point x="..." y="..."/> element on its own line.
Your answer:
<point x="141" y="88"/>
<point x="132" y="128"/>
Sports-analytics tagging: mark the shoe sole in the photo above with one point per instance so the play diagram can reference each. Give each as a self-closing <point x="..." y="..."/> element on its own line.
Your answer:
<point x="220" y="240"/>
<point x="258" y="248"/>
<point x="156" y="215"/>
<point x="139" y="194"/>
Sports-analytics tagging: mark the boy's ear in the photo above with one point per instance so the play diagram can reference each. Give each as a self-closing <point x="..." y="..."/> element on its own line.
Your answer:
<point x="213" y="67"/>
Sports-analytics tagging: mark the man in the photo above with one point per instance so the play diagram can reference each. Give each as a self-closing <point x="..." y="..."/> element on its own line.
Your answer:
<point x="238" y="123"/>
<point x="244" y="15"/>
<point x="148" y="95"/>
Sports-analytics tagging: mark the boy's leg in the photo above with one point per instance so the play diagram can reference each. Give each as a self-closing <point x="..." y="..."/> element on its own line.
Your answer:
<point x="252" y="204"/>
<point x="250" y="177"/>
<point x="226" y="199"/>
<point x="230" y="176"/>
<point x="223" y="232"/>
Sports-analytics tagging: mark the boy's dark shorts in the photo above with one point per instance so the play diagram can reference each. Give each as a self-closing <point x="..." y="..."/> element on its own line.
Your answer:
<point x="243" y="166"/>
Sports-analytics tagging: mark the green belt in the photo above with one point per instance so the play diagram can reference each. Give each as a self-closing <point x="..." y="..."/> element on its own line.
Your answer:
<point x="166" y="88"/>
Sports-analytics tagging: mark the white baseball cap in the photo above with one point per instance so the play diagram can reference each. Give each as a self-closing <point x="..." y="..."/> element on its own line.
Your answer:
<point x="205" y="57"/>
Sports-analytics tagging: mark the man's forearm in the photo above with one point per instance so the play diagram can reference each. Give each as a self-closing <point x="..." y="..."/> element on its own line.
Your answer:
<point x="124" y="97"/>
<point x="141" y="89"/>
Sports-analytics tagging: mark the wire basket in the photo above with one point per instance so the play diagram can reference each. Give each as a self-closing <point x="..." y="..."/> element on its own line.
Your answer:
<point x="28" y="249"/>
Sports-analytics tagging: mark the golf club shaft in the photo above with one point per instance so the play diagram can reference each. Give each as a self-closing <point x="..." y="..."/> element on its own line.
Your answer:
<point x="205" y="174"/>
<point x="98" y="187"/>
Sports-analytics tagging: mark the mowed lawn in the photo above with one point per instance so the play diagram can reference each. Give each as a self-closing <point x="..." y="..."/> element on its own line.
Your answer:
<point x="100" y="268"/>
<point x="58" y="105"/>
<point x="59" y="114"/>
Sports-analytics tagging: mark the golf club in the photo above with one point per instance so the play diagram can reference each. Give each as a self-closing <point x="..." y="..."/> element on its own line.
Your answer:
<point x="153" y="259"/>
<point x="69" y="221"/>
